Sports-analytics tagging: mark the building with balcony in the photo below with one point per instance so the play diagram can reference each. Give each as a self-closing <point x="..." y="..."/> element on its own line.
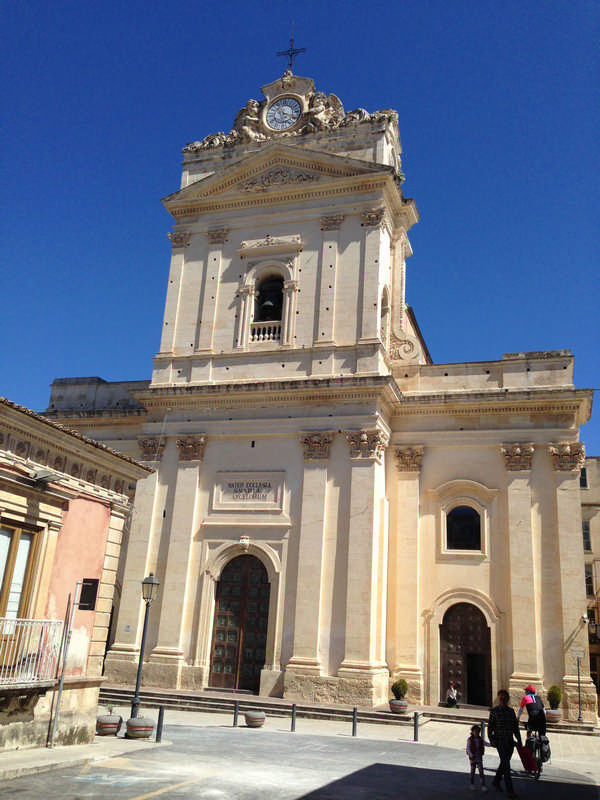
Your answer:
<point x="65" y="504"/>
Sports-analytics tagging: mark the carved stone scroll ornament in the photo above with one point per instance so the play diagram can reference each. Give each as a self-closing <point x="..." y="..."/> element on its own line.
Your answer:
<point x="179" y="238"/>
<point x="567" y="456"/>
<point x="191" y="448"/>
<point x="151" y="448"/>
<point x="280" y="176"/>
<point x="372" y="217"/>
<point x="332" y="222"/>
<point x="367" y="444"/>
<point x="409" y="459"/>
<point x="316" y="445"/>
<point x="517" y="456"/>
<point x="217" y="235"/>
<point x="405" y="349"/>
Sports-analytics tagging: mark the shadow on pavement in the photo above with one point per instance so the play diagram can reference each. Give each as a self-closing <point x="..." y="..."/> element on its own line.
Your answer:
<point x="388" y="782"/>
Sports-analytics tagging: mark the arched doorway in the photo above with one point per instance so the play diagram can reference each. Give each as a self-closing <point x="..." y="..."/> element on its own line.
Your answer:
<point x="240" y="625"/>
<point x="465" y="654"/>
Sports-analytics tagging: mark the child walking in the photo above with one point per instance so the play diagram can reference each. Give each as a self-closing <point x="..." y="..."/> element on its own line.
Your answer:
<point x="475" y="751"/>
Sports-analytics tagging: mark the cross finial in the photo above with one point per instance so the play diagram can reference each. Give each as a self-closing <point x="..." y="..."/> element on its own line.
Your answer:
<point x="292" y="51"/>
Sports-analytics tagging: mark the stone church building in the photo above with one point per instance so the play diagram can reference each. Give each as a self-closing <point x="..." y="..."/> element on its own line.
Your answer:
<point x="329" y="509"/>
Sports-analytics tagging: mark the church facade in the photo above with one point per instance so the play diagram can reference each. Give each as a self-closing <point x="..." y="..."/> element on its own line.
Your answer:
<point x="329" y="510"/>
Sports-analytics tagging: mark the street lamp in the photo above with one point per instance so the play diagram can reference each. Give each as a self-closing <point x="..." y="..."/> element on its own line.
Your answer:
<point x="149" y="591"/>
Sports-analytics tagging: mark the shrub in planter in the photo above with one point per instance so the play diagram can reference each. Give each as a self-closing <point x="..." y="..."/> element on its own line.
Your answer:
<point x="554" y="695"/>
<point x="399" y="689"/>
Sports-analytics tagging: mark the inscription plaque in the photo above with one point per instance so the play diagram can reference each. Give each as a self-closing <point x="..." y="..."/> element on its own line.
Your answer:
<point x="259" y="491"/>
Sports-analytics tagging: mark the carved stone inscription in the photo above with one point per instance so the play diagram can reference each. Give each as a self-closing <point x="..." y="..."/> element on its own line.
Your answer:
<point x="248" y="490"/>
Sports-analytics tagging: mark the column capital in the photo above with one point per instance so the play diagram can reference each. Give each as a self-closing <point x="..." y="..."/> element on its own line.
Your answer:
<point x="316" y="445"/>
<point x="191" y="448"/>
<point x="367" y="445"/>
<point x="409" y="459"/>
<point x="331" y="222"/>
<point x="290" y="286"/>
<point x="372" y="217"/>
<point x="151" y="447"/>
<point x="517" y="456"/>
<point x="217" y="235"/>
<point x="567" y="456"/>
<point x="179" y="238"/>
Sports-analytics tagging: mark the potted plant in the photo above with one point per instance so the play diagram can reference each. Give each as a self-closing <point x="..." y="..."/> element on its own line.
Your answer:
<point x="554" y="713"/>
<point x="398" y="704"/>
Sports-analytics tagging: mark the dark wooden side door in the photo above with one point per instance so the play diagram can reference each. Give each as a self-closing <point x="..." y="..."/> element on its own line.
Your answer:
<point x="465" y="654"/>
<point x="240" y="625"/>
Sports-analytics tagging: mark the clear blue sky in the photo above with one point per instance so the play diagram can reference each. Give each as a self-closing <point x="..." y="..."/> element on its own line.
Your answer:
<point x="499" y="121"/>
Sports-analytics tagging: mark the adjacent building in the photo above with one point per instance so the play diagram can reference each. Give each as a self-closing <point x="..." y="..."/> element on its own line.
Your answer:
<point x="329" y="509"/>
<point x="590" y="521"/>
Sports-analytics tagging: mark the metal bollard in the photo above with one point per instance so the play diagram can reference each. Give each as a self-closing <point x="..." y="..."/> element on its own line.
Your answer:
<point x="354" y="721"/>
<point x="416" y="726"/>
<point x="293" y="717"/>
<point x="236" y="711"/>
<point x="159" y="724"/>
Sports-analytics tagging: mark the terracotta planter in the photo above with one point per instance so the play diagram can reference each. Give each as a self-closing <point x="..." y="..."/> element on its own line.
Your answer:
<point x="139" y="728"/>
<point x="108" y="725"/>
<point x="398" y="706"/>
<point x="254" y="719"/>
<point x="553" y="715"/>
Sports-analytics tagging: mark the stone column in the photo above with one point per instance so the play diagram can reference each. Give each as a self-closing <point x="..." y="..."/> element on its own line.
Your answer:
<point x="306" y="659"/>
<point x="246" y="295"/>
<point x="523" y="571"/>
<point x="212" y="281"/>
<point x="288" y="314"/>
<point x="168" y="655"/>
<point x="179" y="240"/>
<point x="403" y="620"/>
<point x="330" y="225"/>
<point x="372" y="220"/>
<point x="567" y="460"/>
<point x="363" y="669"/>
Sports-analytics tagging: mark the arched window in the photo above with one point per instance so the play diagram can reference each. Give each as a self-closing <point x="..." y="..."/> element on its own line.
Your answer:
<point x="463" y="529"/>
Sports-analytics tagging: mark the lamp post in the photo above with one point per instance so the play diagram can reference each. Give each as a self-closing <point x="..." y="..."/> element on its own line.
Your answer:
<point x="149" y="591"/>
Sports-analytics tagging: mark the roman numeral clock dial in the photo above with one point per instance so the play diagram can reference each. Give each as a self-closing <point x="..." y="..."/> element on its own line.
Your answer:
<point x="283" y="113"/>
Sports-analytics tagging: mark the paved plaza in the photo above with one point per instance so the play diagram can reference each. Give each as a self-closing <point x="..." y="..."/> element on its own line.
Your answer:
<point x="203" y="757"/>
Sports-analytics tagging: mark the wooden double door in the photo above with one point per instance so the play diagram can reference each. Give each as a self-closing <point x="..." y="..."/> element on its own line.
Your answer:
<point x="465" y="654"/>
<point x="240" y="625"/>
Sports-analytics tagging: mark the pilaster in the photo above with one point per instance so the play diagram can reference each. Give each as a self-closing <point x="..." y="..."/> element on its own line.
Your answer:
<point x="325" y="332"/>
<point x="372" y="219"/>
<point x="210" y="296"/>
<point x="179" y="241"/>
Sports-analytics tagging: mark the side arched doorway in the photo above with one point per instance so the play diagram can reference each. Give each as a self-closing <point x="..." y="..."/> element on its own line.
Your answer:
<point x="465" y="654"/>
<point x="240" y="625"/>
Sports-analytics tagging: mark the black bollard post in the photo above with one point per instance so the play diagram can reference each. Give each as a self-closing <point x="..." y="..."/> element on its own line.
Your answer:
<point x="354" y="721"/>
<point x="236" y="711"/>
<point x="416" y="726"/>
<point x="293" y="717"/>
<point x="159" y="724"/>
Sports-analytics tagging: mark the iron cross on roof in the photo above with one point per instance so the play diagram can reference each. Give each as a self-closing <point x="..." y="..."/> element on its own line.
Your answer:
<point x="291" y="52"/>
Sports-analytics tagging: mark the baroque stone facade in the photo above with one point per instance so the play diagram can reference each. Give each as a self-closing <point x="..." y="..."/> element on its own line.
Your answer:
<point x="330" y="510"/>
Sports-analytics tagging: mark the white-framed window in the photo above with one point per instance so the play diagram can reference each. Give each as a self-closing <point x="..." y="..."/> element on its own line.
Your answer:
<point x="267" y="306"/>
<point x="17" y="557"/>
<point x="464" y="510"/>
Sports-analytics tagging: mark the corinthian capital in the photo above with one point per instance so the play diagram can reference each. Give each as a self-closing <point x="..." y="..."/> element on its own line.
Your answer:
<point x="372" y="217"/>
<point x="316" y="445"/>
<point x="567" y="456"/>
<point x="332" y="222"/>
<point x="179" y="238"/>
<point x="217" y="235"/>
<point x="191" y="448"/>
<point x="517" y="456"/>
<point x="151" y="448"/>
<point x="367" y="444"/>
<point x="409" y="459"/>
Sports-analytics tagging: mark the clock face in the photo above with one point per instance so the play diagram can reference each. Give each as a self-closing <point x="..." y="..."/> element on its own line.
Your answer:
<point x="283" y="113"/>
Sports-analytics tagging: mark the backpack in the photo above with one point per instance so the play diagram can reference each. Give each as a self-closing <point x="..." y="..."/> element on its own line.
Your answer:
<point x="545" y="748"/>
<point x="535" y="707"/>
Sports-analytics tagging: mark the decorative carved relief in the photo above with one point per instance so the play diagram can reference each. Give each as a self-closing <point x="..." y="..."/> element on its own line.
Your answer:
<point x="280" y="176"/>
<point x="405" y="349"/>
<point x="179" y="238"/>
<point x="90" y="475"/>
<point x="367" y="444"/>
<point x="372" y="217"/>
<point x="409" y="459"/>
<point x="293" y="242"/>
<point x="517" y="456"/>
<point x="151" y="448"/>
<point x="290" y="286"/>
<point x="245" y="543"/>
<point x="217" y="235"/>
<point x="567" y="456"/>
<point x="191" y="448"/>
<point x="316" y="445"/>
<point x="332" y="222"/>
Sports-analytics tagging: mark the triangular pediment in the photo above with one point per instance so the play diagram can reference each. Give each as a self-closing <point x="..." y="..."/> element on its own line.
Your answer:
<point x="275" y="169"/>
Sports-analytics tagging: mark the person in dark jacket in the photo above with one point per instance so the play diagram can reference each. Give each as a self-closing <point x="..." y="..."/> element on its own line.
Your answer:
<point x="536" y="714"/>
<point x="503" y="729"/>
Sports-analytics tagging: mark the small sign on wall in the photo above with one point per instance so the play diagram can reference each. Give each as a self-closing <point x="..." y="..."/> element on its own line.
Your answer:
<point x="253" y="491"/>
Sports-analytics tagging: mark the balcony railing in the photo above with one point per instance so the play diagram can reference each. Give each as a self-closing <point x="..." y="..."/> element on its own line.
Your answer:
<point x="29" y="651"/>
<point x="265" y="331"/>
